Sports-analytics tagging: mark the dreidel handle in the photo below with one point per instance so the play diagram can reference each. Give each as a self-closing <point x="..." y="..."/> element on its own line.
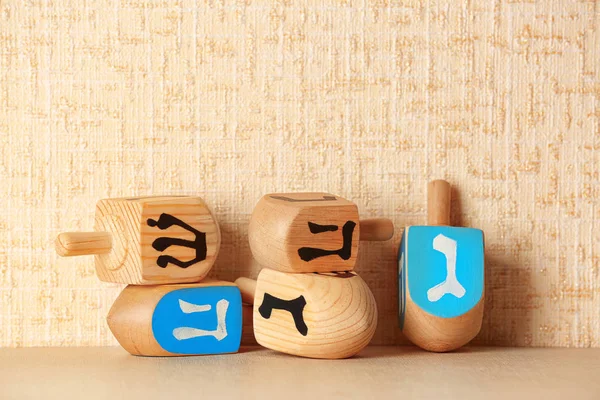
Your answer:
<point x="247" y="288"/>
<point x="438" y="202"/>
<point x="83" y="243"/>
<point x="376" y="229"/>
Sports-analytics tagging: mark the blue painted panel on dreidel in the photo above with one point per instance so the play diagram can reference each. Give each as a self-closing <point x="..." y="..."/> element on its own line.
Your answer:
<point x="402" y="282"/>
<point x="203" y="320"/>
<point x="444" y="268"/>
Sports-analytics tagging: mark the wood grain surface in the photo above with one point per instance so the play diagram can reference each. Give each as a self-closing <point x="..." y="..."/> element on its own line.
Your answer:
<point x="338" y="314"/>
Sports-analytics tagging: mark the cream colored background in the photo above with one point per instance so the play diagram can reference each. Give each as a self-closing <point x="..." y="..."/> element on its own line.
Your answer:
<point x="368" y="100"/>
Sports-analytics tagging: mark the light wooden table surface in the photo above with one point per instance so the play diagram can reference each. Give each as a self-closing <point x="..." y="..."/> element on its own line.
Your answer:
<point x="256" y="373"/>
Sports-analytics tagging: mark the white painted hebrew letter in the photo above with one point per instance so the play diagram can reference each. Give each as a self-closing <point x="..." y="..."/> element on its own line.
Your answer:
<point x="450" y="285"/>
<point x="189" y="308"/>
<point x="185" y="332"/>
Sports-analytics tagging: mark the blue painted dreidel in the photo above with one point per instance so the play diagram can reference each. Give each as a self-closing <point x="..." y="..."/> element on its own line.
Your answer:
<point x="176" y="320"/>
<point x="441" y="278"/>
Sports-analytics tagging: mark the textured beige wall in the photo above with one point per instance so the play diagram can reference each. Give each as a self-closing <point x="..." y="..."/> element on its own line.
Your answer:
<point x="234" y="99"/>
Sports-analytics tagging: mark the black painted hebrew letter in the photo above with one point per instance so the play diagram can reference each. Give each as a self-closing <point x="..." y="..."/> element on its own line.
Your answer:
<point x="165" y="221"/>
<point x="295" y="307"/>
<point x="310" y="253"/>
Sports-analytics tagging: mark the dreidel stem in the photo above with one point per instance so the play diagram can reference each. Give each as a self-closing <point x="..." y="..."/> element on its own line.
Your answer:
<point x="376" y="229"/>
<point x="438" y="202"/>
<point x="247" y="288"/>
<point x="83" y="243"/>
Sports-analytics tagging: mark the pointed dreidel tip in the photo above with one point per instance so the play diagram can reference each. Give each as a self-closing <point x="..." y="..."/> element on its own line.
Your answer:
<point x="376" y="229"/>
<point x="247" y="288"/>
<point x="69" y="244"/>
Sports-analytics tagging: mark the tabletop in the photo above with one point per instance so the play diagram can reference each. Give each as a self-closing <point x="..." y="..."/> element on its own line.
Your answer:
<point x="377" y="372"/>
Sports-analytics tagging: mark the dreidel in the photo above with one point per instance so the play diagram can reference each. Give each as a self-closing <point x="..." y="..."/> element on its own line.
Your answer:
<point x="316" y="315"/>
<point x="441" y="278"/>
<point x="175" y="320"/>
<point x="310" y="232"/>
<point x="148" y="240"/>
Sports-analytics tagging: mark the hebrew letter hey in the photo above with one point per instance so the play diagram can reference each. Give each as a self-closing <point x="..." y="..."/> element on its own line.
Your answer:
<point x="310" y="253"/>
<point x="220" y="333"/>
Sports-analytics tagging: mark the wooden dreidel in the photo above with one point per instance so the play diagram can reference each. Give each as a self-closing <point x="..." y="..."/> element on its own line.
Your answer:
<point x="310" y="232"/>
<point x="182" y="319"/>
<point x="441" y="278"/>
<point x="329" y="315"/>
<point x="148" y="240"/>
